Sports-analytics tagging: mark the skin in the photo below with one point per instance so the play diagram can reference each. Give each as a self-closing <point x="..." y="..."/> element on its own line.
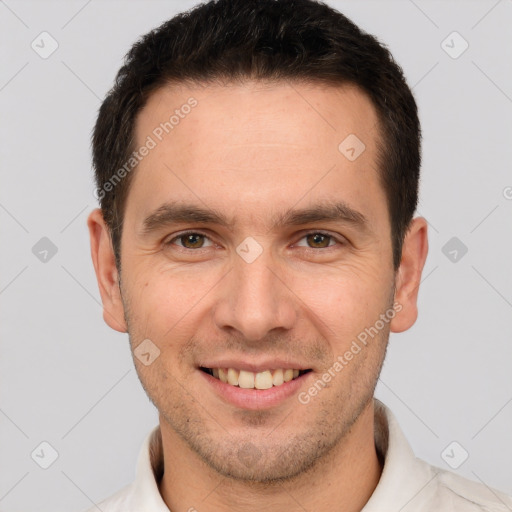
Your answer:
<point x="251" y="151"/>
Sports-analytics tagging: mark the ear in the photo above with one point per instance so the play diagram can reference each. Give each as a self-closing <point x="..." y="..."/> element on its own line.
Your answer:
<point x="103" y="258"/>
<point x="414" y="254"/>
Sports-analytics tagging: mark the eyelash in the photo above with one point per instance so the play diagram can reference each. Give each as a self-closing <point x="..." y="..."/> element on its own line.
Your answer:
<point x="313" y="232"/>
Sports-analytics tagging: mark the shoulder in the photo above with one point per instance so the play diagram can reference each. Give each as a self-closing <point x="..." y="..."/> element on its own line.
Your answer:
<point x="456" y="493"/>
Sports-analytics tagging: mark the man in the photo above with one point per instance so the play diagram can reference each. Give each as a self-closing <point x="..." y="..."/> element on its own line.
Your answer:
<point x="257" y="165"/>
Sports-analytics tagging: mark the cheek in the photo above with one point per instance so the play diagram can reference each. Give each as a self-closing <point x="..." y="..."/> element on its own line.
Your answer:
<point x="165" y="302"/>
<point x="160" y="311"/>
<point x="346" y="301"/>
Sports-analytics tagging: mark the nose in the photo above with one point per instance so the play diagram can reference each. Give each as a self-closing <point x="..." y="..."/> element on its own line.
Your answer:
<point x="255" y="300"/>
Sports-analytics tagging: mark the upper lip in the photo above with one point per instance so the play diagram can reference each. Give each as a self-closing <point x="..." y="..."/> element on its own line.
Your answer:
<point x="255" y="366"/>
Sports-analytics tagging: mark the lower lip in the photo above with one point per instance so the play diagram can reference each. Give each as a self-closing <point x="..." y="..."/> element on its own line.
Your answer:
<point x="255" y="399"/>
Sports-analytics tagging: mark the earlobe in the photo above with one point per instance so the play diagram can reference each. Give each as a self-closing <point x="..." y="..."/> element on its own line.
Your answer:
<point x="103" y="260"/>
<point x="414" y="254"/>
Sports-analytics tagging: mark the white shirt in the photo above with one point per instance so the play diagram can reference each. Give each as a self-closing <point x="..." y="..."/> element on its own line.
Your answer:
<point x="406" y="484"/>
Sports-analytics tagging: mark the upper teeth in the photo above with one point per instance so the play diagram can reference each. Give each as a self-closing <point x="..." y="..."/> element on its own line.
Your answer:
<point x="255" y="380"/>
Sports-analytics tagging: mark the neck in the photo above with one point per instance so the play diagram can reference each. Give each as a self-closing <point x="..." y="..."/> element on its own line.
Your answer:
<point x="342" y="480"/>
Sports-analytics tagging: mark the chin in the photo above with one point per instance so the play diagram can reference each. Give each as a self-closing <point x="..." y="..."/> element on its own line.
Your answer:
<point x="264" y="464"/>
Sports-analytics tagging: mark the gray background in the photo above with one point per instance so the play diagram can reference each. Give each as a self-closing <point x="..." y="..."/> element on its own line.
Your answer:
<point x="67" y="379"/>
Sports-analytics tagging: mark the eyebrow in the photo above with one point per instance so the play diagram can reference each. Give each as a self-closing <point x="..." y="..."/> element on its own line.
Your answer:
<point x="176" y="212"/>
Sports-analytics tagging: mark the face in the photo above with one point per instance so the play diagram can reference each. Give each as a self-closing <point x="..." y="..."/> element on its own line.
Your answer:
<point x="256" y="248"/>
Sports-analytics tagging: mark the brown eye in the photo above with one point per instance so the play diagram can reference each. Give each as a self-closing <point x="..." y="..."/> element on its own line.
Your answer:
<point x="191" y="240"/>
<point x="317" y="240"/>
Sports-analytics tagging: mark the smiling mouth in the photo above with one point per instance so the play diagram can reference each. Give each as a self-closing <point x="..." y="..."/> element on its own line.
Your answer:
<point x="254" y="380"/>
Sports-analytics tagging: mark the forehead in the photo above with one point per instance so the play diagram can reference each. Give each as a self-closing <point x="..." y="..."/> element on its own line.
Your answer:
<point x="256" y="146"/>
<point x="279" y="113"/>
